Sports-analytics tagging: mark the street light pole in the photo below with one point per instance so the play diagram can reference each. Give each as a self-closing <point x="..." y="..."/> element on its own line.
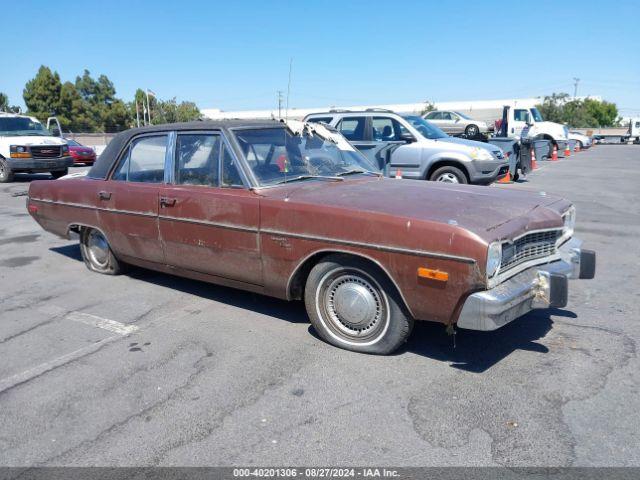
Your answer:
<point x="575" y="87"/>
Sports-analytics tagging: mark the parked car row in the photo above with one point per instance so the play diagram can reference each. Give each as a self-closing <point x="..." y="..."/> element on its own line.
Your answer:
<point x="411" y="147"/>
<point x="291" y="209"/>
<point x="26" y="146"/>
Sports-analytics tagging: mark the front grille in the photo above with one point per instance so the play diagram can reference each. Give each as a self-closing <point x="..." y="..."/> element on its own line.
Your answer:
<point x="46" y="151"/>
<point x="529" y="247"/>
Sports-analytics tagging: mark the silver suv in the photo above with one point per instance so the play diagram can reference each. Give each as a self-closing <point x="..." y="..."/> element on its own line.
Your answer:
<point x="410" y="147"/>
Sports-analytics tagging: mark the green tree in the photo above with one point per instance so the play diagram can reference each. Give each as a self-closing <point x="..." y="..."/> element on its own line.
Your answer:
<point x="560" y="108"/>
<point x="42" y="94"/>
<point x="4" y="102"/>
<point x="75" y="114"/>
<point x="170" y="111"/>
<point x="428" y="107"/>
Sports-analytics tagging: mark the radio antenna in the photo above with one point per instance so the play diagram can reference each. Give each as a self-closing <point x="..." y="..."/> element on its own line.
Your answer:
<point x="286" y="114"/>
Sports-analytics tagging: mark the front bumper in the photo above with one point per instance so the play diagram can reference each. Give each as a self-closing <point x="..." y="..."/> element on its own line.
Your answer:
<point x="541" y="286"/>
<point x="487" y="171"/>
<point x="39" y="164"/>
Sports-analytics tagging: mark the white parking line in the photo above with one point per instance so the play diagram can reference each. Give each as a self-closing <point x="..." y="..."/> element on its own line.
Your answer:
<point x="111" y="325"/>
<point x="99" y="322"/>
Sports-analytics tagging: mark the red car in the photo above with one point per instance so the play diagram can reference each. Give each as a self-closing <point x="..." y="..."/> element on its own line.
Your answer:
<point x="80" y="153"/>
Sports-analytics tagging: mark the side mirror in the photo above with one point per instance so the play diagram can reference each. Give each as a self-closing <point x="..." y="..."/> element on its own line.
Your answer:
<point x="407" y="137"/>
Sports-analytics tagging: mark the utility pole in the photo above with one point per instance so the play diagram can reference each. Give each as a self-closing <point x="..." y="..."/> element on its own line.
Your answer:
<point x="575" y="87"/>
<point x="280" y="99"/>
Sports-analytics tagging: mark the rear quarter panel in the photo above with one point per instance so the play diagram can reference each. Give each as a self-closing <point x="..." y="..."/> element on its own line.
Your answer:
<point x="61" y="203"/>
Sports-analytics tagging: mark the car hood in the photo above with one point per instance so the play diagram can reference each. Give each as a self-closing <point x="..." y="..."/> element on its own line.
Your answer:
<point x="492" y="213"/>
<point x="471" y="143"/>
<point x="34" y="140"/>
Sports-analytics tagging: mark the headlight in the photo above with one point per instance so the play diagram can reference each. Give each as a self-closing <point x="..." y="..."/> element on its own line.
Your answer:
<point x="569" y="219"/>
<point x="19" y="151"/>
<point x="478" y="153"/>
<point x="65" y="149"/>
<point x="494" y="258"/>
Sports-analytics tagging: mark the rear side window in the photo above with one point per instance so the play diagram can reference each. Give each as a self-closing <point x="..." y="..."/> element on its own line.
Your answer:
<point x="352" y="128"/>
<point x="144" y="160"/>
<point x="197" y="159"/>
<point x="434" y="116"/>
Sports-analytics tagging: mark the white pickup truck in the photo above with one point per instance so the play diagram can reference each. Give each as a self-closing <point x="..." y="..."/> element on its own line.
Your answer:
<point x="27" y="146"/>
<point x="515" y="120"/>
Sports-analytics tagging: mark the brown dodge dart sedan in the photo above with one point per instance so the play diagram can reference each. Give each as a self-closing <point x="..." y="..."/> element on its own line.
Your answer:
<point x="292" y="210"/>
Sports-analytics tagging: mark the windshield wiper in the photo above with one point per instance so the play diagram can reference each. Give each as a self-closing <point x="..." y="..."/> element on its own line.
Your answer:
<point x="306" y="177"/>
<point x="355" y="171"/>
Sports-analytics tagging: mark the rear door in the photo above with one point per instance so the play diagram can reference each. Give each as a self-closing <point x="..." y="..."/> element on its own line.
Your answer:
<point x="128" y="202"/>
<point x="358" y="130"/>
<point x="208" y="218"/>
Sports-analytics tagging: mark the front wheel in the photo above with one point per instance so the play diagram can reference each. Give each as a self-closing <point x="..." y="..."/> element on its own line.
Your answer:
<point x="97" y="254"/>
<point x="6" y="174"/>
<point x="472" y="131"/>
<point x="448" y="174"/>
<point x="352" y="306"/>
<point x="59" y="173"/>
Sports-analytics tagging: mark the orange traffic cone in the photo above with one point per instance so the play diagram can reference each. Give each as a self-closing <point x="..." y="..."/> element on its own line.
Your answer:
<point x="554" y="154"/>
<point x="506" y="178"/>
<point x="534" y="164"/>
<point x="398" y="173"/>
<point x="567" y="150"/>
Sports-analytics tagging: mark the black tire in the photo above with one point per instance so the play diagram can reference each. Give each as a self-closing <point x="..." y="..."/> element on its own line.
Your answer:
<point x="472" y="131"/>
<point x="6" y="174"/>
<point x="59" y="173"/>
<point x="579" y="144"/>
<point x="447" y="174"/>
<point x="97" y="254"/>
<point x="516" y="176"/>
<point x="377" y="324"/>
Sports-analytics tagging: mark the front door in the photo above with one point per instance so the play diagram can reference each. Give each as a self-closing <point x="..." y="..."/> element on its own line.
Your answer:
<point x="208" y="219"/>
<point x="521" y="119"/>
<point x="128" y="202"/>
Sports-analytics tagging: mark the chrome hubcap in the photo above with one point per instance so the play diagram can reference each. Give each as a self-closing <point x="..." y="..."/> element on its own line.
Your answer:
<point x="98" y="248"/>
<point x="353" y="305"/>
<point x="448" y="178"/>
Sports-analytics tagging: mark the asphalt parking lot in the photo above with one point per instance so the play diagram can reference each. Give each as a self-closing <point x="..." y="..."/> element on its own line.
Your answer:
<point x="150" y="369"/>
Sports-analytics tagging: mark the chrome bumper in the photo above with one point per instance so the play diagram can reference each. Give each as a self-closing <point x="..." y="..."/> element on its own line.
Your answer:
<point x="541" y="286"/>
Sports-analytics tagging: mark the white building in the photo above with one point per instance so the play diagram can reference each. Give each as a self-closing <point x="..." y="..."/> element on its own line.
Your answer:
<point x="487" y="110"/>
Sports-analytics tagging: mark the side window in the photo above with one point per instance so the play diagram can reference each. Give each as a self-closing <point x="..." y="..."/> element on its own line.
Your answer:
<point x="521" y="115"/>
<point x="352" y="128"/>
<point x="383" y="129"/>
<point x="197" y="157"/>
<point x="326" y="120"/>
<point x="230" y="175"/>
<point x="435" y="116"/>
<point x="144" y="160"/>
<point x="446" y="116"/>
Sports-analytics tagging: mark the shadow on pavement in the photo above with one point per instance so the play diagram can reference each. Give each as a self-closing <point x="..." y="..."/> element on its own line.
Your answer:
<point x="474" y="351"/>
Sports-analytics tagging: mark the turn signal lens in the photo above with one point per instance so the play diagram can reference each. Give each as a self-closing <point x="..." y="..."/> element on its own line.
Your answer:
<point x="432" y="274"/>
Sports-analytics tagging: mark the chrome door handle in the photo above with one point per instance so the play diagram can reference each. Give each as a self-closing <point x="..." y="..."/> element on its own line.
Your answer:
<point x="167" y="202"/>
<point x="104" y="195"/>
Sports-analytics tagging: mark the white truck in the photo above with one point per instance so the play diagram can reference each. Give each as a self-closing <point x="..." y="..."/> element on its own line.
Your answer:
<point x="27" y="146"/>
<point x="516" y="119"/>
<point x="619" y="135"/>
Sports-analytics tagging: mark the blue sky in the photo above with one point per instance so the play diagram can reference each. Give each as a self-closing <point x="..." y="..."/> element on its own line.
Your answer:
<point x="235" y="54"/>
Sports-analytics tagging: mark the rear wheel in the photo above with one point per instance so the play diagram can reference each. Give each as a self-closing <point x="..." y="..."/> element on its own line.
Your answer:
<point x="448" y="174"/>
<point x="353" y="306"/>
<point x="97" y="254"/>
<point x="6" y="174"/>
<point x="59" y="173"/>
